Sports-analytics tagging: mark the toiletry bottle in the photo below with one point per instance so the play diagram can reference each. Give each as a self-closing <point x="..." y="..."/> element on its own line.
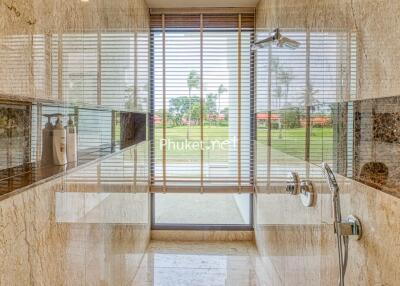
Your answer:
<point x="72" y="155"/>
<point x="47" y="142"/>
<point x="59" y="142"/>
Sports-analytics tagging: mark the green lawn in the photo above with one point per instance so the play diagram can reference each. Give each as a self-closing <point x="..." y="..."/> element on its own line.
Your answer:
<point x="289" y="141"/>
<point x="214" y="138"/>
<point x="292" y="142"/>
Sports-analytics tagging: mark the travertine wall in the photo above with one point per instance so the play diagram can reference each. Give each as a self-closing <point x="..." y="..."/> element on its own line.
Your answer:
<point x="69" y="232"/>
<point x="375" y="23"/>
<point x="30" y="33"/>
<point x="297" y="244"/>
<point x="90" y="227"/>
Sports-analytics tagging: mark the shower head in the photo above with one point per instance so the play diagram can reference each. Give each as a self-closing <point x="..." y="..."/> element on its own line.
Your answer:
<point x="333" y="186"/>
<point x="330" y="177"/>
<point x="278" y="40"/>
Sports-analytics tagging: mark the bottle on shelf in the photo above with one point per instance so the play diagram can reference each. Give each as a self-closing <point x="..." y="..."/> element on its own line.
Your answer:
<point x="59" y="142"/>
<point x="47" y="141"/>
<point x="72" y="154"/>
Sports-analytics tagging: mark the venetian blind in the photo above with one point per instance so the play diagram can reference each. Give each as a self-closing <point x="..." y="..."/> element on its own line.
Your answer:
<point x="201" y="76"/>
<point x="107" y="69"/>
<point x="102" y="72"/>
<point x="297" y="93"/>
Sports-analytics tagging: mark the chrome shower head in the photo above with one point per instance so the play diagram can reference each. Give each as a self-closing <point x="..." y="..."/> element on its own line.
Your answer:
<point x="278" y="40"/>
<point x="330" y="177"/>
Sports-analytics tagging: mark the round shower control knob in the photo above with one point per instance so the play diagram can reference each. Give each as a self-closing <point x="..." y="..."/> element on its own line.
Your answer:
<point x="307" y="193"/>
<point x="292" y="183"/>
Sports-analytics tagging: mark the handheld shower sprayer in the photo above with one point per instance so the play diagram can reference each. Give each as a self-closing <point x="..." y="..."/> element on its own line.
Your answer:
<point x="334" y="188"/>
<point x="350" y="227"/>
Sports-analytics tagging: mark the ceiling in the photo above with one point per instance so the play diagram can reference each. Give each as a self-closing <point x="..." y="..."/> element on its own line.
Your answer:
<point x="200" y="3"/>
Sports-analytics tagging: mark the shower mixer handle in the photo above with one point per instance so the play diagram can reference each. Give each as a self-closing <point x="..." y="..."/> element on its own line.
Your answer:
<point x="350" y="227"/>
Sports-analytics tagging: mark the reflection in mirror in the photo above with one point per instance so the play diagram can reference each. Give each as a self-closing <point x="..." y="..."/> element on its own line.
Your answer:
<point x="297" y="92"/>
<point x="305" y="113"/>
<point x="100" y="77"/>
<point x="111" y="191"/>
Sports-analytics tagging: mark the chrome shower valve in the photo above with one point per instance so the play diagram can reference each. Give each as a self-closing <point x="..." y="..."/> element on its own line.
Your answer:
<point x="350" y="227"/>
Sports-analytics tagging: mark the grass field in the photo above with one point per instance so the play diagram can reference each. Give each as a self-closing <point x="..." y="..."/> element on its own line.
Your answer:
<point x="289" y="141"/>
<point x="292" y="142"/>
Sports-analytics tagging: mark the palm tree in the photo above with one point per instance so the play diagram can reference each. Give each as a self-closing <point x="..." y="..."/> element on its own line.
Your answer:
<point x="278" y="95"/>
<point x="309" y="99"/>
<point x="221" y="90"/>
<point x="193" y="80"/>
<point x="285" y="77"/>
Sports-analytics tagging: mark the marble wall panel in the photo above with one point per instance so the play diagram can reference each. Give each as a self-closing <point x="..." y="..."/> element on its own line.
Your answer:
<point x="281" y="221"/>
<point x="49" y="236"/>
<point x="46" y="239"/>
<point x="44" y="43"/>
<point x="373" y="22"/>
<point x="290" y="234"/>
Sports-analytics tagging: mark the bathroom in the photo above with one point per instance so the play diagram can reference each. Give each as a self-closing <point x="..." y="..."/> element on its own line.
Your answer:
<point x="197" y="142"/>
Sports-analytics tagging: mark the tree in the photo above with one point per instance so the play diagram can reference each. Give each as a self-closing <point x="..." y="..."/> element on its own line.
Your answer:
<point x="275" y="66"/>
<point x="195" y="111"/>
<point x="210" y="106"/>
<point x="179" y="107"/>
<point x="225" y="112"/>
<point x="308" y="97"/>
<point x="285" y="77"/>
<point x="221" y="89"/>
<point x="292" y="118"/>
<point x="132" y="93"/>
<point x="193" y="80"/>
<point x="278" y="96"/>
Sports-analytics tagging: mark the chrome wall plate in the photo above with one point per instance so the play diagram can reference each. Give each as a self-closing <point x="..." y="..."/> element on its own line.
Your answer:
<point x="292" y="183"/>
<point x="356" y="228"/>
<point x="307" y="193"/>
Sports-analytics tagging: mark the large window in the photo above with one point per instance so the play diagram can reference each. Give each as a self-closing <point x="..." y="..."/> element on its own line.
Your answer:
<point x="298" y="92"/>
<point x="202" y="102"/>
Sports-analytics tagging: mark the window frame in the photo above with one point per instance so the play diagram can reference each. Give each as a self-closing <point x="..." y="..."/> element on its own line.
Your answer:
<point x="252" y="117"/>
